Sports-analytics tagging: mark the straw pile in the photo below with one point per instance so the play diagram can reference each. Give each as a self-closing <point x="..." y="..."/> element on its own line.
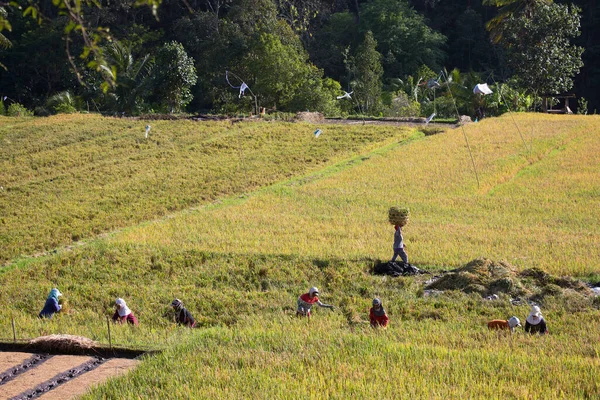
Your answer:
<point x="312" y="117"/>
<point x="63" y="343"/>
<point x="398" y="215"/>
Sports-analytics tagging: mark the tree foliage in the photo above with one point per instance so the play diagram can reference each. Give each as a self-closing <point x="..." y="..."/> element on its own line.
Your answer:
<point x="366" y="70"/>
<point x="294" y="54"/>
<point x="539" y="48"/>
<point x="175" y="78"/>
<point x="403" y="37"/>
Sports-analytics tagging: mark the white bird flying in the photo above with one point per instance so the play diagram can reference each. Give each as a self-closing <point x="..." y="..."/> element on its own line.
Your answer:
<point x="345" y="95"/>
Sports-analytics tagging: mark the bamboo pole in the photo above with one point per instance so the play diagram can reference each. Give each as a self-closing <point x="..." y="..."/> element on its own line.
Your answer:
<point x="109" y="337"/>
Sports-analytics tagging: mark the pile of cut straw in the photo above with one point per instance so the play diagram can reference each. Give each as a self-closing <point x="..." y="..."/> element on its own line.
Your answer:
<point x="62" y="343"/>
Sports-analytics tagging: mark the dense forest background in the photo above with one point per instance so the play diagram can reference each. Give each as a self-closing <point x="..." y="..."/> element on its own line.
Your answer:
<point x="395" y="57"/>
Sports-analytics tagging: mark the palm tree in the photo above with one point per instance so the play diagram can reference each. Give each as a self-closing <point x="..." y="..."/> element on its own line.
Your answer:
<point x="4" y="24"/>
<point x="507" y="9"/>
<point x="131" y="77"/>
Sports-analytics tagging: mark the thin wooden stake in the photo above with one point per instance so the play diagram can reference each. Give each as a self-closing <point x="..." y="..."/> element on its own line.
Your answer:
<point x="14" y="331"/>
<point x="109" y="338"/>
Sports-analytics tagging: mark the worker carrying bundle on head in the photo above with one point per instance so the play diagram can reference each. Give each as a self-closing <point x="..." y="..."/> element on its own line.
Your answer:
<point x="123" y="313"/>
<point x="307" y="300"/>
<point x="52" y="305"/>
<point x="535" y="322"/>
<point x="182" y="315"/>
<point x="377" y="315"/>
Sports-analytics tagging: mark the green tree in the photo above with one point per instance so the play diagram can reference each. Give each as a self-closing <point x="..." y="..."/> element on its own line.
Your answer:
<point x="366" y="71"/>
<point x="539" y="50"/>
<point x="131" y="76"/>
<point x="279" y="66"/>
<point x="174" y="77"/>
<point x="4" y="24"/>
<point x="508" y="9"/>
<point x="403" y="37"/>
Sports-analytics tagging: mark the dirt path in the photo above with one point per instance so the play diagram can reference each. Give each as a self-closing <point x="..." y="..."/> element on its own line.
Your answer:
<point x="11" y="359"/>
<point x="40" y="374"/>
<point x="80" y="385"/>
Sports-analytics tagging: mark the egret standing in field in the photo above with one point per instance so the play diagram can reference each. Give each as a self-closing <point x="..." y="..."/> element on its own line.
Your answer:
<point x="147" y="130"/>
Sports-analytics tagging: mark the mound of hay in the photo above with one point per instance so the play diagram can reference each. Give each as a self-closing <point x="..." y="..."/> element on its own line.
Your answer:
<point x="488" y="277"/>
<point x="63" y="343"/>
<point x="482" y="276"/>
<point x="398" y="215"/>
<point x="464" y="119"/>
<point x="312" y="117"/>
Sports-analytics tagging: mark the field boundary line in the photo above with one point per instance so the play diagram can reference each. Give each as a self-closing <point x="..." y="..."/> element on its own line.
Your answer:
<point x="548" y="155"/>
<point x="416" y="135"/>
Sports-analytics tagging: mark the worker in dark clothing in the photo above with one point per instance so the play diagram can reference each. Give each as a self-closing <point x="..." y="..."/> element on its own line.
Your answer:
<point x="535" y="322"/>
<point x="51" y="306"/>
<point x="182" y="315"/>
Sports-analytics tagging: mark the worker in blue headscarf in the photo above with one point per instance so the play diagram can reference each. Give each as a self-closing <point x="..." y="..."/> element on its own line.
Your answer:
<point x="51" y="305"/>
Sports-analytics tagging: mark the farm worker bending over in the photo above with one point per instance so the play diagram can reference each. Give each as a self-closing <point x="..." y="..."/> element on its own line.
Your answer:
<point x="377" y="315"/>
<point x="51" y="305"/>
<point x="123" y="313"/>
<point x="399" y="245"/>
<point x="182" y="315"/>
<point x="306" y="301"/>
<point x="535" y="322"/>
<point x="502" y="324"/>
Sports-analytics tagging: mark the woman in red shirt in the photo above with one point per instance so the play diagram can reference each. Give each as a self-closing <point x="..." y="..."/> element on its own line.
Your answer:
<point x="377" y="315"/>
<point x="306" y="301"/>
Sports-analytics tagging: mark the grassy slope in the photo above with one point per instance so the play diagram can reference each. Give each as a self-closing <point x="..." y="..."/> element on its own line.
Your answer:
<point x="532" y="207"/>
<point x="240" y="264"/>
<point x="71" y="177"/>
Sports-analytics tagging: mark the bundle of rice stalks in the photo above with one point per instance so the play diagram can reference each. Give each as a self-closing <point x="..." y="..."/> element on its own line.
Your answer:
<point x="398" y="215"/>
<point x="62" y="343"/>
<point x="64" y="305"/>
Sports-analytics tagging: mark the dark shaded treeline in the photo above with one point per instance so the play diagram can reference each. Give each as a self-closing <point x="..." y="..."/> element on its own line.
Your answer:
<point x="259" y="38"/>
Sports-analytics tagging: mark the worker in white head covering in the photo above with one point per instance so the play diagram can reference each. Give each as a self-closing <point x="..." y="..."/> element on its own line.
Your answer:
<point x="535" y="322"/>
<point x="123" y="313"/>
<point x="307" y="300"/>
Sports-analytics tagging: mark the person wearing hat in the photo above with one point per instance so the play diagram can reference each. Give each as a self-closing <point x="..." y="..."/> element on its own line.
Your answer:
<point x="307" y="300"/>
<point x="51" y="306"/>
<point x="182" y="315"/>
<point x="501" y="324"/>
<point x="377" y="315"/>
<point x="535" y="322"/>
<point x="123" y="313"/>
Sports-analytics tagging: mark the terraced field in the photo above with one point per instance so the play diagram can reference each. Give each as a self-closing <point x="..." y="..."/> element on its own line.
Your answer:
<point x="237" y="220"/>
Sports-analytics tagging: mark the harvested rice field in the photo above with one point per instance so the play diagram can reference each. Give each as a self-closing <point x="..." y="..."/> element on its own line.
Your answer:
<point x="239" y="220"/>
<point x="26" y="375"/>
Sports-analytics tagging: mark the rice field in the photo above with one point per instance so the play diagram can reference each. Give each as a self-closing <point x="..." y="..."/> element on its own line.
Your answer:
<point x="240" y="257"/>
